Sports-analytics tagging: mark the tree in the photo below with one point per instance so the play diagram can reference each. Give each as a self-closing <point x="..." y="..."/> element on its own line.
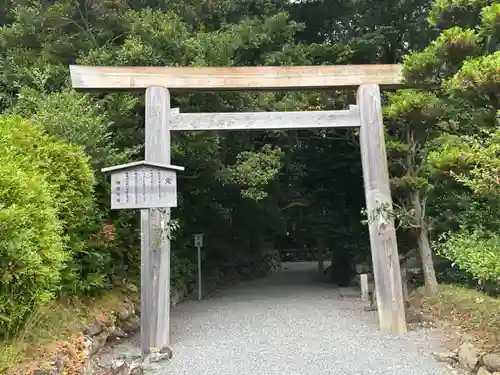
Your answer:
<point x="460" y="63"/>
<point x="412" y="121"/>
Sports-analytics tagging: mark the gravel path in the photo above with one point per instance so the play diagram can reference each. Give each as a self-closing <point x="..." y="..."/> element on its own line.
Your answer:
<point x="289" y="324"/>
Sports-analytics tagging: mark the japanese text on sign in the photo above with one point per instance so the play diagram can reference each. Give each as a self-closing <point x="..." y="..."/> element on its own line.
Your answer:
<point x="143" y="187"/>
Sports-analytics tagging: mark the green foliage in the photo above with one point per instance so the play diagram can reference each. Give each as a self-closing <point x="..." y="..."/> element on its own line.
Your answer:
<point x="405" y="184"/>
<point x="256" y="170"/>
<point x="183" y="272"/>
<point x="490" y="20"/>
<point x="454" y="44"/>
<point x="483" y="178"/>
<point x="490" y="27"/>
<point x="31" y="235"/>
<point x="452" y="154"/>
<point x="474" y="243"/>
<point x="423" y="67"/>
<point x="446" y="13"/>
<point x="76" y="119"/>
<point x="66" y="169"/>
<point x="307" y="183"/>
<point x="475" y="251"/>
<point x="64" y="166"/>
<point x="412" y="106"/>
<point x="461" y="156"/>
<point x="412" y="122"/>
<point x="479" y="76"/>
<point x="442" y="57"/>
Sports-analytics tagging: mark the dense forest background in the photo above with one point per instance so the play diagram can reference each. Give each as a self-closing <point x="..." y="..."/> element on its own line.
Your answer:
<point x="246" y="191"/>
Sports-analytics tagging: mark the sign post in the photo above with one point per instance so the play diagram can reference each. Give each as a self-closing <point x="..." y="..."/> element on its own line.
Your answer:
<point x="198" y="242"/>
<point x="144" y="185"/>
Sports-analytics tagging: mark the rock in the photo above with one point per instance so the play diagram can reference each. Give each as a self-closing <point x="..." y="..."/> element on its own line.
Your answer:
<point x="98" y="342"/>
<point x="132" y="325"/>
<point x="166" y="350"/>
<point x="414" y="317"/>
<point x="447" y="357"/>
<point x="92" y="329"/>
<point x="120" y="367"/>
<point x="177" y="295"/>
<point x="163" y="354"/>
<point x="116" y="332"/>
<point x="138" y="370"/>
<point x="468" y="356"/>
<point x="492" y="362"/>
<point x="88" y="368"/>
<point x="125" y="311"/>
<point x="483" y="371"/>
<point x="55" y="367"/>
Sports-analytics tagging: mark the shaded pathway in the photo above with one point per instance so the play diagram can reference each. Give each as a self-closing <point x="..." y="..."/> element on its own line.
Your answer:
<point x="290" y="324"/>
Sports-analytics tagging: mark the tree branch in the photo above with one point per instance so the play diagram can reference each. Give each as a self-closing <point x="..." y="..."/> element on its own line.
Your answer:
<point x="298" y="203"/>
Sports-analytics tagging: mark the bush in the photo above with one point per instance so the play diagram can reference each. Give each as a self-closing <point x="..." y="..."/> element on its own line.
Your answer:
<point x="65" y="167"/>
<point x="49" y="227"/>
<point x="183" y="272"/>
<point x="474" y="251"/>
<point x="67" y="171"/>
<point x="31" y="246"/>
<point x="81" y="120"/>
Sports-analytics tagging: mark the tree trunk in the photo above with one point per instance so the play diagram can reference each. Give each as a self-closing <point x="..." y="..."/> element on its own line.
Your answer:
<point x="431" y="284"/>
<point x="424" y="248"/>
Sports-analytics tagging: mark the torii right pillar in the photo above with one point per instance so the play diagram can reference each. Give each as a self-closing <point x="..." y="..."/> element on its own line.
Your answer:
<point x="384" y="248"/>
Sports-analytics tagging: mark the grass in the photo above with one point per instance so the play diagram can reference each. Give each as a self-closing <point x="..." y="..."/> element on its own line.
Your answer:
<point x="55" y="329"/>
<point x="470" y="311"/>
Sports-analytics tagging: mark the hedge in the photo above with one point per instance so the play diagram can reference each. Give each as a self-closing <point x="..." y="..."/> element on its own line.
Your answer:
<point x="31" y="245"/>
<point x="46" y="193"/>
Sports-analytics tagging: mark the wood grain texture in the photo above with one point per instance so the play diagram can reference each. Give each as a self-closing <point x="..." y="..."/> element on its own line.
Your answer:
<point x="386" y="268"/>
<point x="157" y="150"/>
<point x="146" y="284"/>
<point x="234" y="78"/>
<point x="264" y="120"/>
<point x="404" y="283"/>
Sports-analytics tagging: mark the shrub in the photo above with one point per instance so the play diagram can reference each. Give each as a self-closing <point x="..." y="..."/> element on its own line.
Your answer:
<point x="183" y="272"/>
<point x="474" y="251"/>
<point x="65" y="167"/>
<point x="67" y="171"/>
<point x="81" y="120"/>
<point x="31" y="246"/>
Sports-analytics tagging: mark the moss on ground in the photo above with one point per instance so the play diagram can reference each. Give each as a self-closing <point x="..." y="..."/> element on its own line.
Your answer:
<point x="55" y="330"/>
<point x="469" y="311"/>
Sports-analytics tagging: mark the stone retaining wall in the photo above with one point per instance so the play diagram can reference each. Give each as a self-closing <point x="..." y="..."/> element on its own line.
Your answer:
<point x="475" y="361"/>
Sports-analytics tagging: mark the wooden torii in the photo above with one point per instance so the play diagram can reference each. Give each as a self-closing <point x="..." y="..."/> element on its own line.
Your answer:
<point x="161" y="119"/>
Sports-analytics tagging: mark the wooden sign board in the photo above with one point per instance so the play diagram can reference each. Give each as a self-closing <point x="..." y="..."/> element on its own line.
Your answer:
<point x="143" y="185"/>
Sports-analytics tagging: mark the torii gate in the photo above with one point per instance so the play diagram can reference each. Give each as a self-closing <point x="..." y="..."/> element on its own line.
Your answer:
<point x="161" y="119"/>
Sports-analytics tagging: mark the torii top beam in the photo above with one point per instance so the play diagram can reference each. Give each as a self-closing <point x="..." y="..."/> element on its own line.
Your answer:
<point x="262" y="78"/>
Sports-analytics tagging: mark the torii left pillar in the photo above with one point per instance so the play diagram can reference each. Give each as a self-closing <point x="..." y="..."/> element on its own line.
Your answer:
<point x="155" y="298"/>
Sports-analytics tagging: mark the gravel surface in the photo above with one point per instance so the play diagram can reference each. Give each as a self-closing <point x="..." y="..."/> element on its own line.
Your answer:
<point x="290" y="324"/>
